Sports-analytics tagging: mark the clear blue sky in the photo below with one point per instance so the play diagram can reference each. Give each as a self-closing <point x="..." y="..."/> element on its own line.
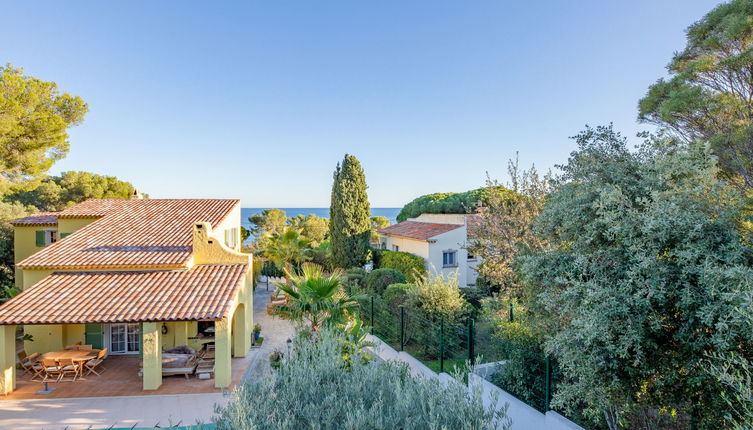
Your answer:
<point x="259" y="101"/>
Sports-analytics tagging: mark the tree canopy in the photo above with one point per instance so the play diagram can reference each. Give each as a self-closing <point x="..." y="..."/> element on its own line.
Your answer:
<point x="56" y="193"/>
<point x="709" y="94"/>
<point x="34" y="122"/>
<point x="453" y="203"/>
<point x="350" y="226"/>
<point x="643" y="273"/>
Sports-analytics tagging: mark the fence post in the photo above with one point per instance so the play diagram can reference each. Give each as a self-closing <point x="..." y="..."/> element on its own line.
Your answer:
<point x="372" y="315"/>
<point x="512" y="317"/>
<point x="402" y="327"/>
<point x="548" y="387"/>
<point x="471" y="341"/>
<point x="441" y="344"/>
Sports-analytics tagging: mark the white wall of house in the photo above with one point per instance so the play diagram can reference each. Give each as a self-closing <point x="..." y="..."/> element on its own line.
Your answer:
<point x="433" y="250"/>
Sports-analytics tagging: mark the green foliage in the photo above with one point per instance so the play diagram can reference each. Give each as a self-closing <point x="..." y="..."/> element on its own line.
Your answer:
<point x="34" y="121"/>
<point x="271" y="270"/>
<point x="378" y="223"/>
<point x="735" y="374"/>
<point x="288" y="250"/>
<point x="316" y="229"/>
<point x="379" y="279"/>
<point x="438" y="296"/>
<point x="354" y="277"/>
<point x="316" y="387"/>
<point x="8" y="213"/>
<point x="397" y="295"/>
<point x="350" y="227"/>
<point x="316" y="298"/>
<point x="412" y="266"/>
<point x="644" y="274"/>
<point x="56" y="193"/>
<point x="451" y="203"/>
<point x="322" y="255"/>
<point x="709" y="95"/>
<point x="268" y="222"/>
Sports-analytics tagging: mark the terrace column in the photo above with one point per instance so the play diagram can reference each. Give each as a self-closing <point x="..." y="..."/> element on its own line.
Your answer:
<point x="151" y="338"/>
<point x="222" y="367"/>
<point x="181" y="333"/>
<point x="241" y="334"/>
<point x="7" y="358"/>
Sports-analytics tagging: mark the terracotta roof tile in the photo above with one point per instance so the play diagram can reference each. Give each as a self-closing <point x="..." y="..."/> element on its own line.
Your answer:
<point x="204" y="292"/>
<point x="39" y="218"/>
<point x="148" y="233"/>
<point x="418" y="230"/>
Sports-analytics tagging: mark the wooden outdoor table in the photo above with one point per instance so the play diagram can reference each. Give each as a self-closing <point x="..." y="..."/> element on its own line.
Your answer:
<point x="78" y="356"/>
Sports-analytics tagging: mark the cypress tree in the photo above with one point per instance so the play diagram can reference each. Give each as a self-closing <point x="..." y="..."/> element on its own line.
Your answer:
<point x="349" y="211"/>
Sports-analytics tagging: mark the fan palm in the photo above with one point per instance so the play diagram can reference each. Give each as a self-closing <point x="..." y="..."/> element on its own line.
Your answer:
<point x="316" y="297"/>
<point x="288" y="249"/>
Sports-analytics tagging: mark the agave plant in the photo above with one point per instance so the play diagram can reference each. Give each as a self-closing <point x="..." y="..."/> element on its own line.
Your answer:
<point x="315" y="297"/>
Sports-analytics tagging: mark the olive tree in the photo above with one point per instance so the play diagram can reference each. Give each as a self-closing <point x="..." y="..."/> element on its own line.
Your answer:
<point x="644" y="273"/>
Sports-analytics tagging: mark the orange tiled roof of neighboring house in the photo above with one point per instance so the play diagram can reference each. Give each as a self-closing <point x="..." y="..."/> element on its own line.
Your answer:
<point x="418" y="230"/>
<point x="39" y="218"/>
<point x="204" y="292"/>
<point x="137" y="233"/>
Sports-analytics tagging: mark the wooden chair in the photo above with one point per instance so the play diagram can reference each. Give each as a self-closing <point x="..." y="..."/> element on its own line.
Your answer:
<point x="74" y="346"/>
<point x="51" y="369"/>
<point x="38" y="370"/>
<point x="68" y="367"/>
<point x="28" y="362"/>
<point x="92" y="365"/>
<point x="84" y="347"/>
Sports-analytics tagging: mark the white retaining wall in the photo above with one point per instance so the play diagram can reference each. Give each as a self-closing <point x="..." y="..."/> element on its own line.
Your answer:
<point x="523" y="416"/>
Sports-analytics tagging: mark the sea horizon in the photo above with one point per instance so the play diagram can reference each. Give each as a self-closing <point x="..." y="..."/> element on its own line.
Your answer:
<point x="389" y="213"/>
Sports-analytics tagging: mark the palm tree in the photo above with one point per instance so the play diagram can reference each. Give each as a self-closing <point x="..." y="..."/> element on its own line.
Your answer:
<point x="288" y="249"/>
<point x="316" y="297"/>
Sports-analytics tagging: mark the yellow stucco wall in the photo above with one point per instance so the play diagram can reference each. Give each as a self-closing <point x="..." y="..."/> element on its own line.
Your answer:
<point x="24" y="245"/>
<point x="69" y="225"/>
<point x="152" y="355"/>
<point x="31" y="277"/>
<point x="45" y="338"/>
<point x="7" y="358"/>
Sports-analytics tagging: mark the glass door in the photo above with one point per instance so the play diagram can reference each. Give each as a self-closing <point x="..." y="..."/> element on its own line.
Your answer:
<point x="124" y="338"/>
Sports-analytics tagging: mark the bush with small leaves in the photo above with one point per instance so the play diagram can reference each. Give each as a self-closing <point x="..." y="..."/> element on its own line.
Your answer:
<point x="315" y="388"/>
<point x="378" y="280"/>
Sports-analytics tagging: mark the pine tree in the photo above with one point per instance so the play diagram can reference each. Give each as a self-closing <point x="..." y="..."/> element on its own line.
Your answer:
<point x="349" y="212"/>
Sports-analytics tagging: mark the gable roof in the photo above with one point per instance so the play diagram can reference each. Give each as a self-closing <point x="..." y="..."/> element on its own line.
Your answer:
<point x="39" y="218"/>
<point x="137" y="233"/>
<point x="418" y="230"/>
<point x="204" y="292"/>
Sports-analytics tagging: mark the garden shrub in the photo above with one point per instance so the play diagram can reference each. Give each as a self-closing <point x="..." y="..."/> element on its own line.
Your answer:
<point x="379" y="279"/>
<point x="317" y="388"/>
<point x="354" y="278"/>
<point x="397" y="295"/>
<point x="412" y="266"/>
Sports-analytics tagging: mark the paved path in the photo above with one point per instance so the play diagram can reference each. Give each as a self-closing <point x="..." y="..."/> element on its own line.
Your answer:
<point x="144" y="411"/>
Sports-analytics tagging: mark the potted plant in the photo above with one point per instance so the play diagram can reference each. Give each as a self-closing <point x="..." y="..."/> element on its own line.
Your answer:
<point x="257" y="332"/>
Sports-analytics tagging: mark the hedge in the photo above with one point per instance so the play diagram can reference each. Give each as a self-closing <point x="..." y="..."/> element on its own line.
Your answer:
<point x="412" y="266"/>
<point x="378" y="280"/>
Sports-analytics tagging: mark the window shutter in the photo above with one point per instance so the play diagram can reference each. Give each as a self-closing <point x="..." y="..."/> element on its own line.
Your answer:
<point x="40" y="237"/>
<point x="62" y="235"/>
<point x="93" y="335"/>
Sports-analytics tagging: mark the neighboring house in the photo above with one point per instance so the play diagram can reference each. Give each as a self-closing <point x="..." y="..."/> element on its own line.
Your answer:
<point x="134" y="276"/>
<point x="440" y="239"/>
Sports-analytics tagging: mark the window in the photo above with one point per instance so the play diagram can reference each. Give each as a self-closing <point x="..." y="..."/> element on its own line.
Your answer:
<point x="395" y="248"/>
<point x="448" y="259"/>
<point x="231" y="237"/>
<point x="471" y="257"/>
<point x="384" y="245"/>
<point x="46" y="237"/>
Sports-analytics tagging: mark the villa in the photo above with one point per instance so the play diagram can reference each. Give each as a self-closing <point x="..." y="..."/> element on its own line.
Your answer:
<point x="440" y="239"/>
<point x="134" y="276"/>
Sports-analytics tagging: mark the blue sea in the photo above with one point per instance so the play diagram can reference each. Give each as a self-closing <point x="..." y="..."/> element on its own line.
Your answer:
<point x="390" y="213"/>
